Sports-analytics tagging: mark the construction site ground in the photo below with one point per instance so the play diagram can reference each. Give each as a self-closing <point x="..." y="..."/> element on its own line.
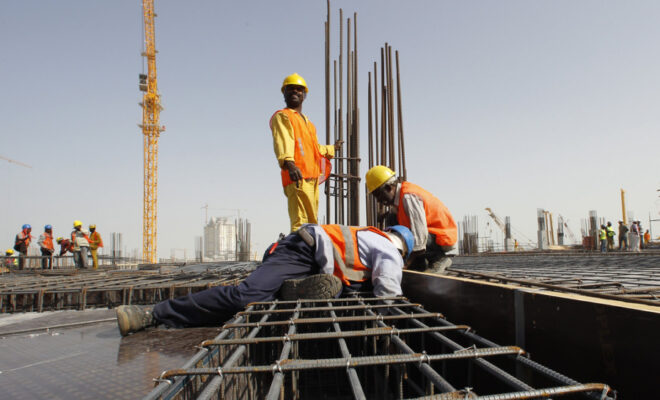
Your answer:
<point x="78" y="353"/>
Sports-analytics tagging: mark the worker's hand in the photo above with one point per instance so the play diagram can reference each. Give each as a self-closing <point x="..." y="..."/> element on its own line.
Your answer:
<point x="338" y="145"/>
<point x="294" y="172"/>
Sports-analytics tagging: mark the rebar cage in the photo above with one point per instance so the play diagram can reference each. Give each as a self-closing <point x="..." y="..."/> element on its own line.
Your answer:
<point x="359" y="348"/>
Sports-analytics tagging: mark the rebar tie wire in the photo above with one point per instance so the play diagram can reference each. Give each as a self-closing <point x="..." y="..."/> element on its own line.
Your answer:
<point x="289" y="365"/>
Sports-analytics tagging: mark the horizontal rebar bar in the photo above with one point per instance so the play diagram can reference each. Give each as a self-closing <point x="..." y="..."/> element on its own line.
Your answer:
<point x="338" y="300"/>
<point x="529" y="394"/>
<point x="334" y="308"/>
<point x="333" y="335"/>
<point x="324" y="320"/>
<point x="331" y="363"/>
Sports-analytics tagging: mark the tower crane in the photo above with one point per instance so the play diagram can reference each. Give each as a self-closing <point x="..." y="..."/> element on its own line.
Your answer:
<point x="151" y="130"/>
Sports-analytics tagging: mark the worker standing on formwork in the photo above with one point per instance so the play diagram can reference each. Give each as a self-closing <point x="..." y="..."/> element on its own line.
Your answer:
<point x="304" y="163"/>
<point x="610" y="236"/>
<point x="313" y="263"/>
<point x="47" y="247"/>
<point x="95" y="242"/>
<point x="80" y="241"/>
<point x="602" y="236"/>
<point x="430" y="221"/>
<point x="623" y="236"/>
<point x="22" y="243"/>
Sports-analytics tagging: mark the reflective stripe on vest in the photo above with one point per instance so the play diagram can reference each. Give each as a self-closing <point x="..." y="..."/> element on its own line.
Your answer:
<point x="348" y="266"/>
<point x="306" y="154"/>
<point x="439" y="220"/>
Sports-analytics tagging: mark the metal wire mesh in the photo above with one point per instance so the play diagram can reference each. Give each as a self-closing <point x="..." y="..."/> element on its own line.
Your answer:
<point x="359" y="348"/>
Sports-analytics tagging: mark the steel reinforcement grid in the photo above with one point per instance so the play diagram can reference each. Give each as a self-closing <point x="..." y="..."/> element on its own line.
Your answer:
<point x="624" y="277"/>
<point x="88" y="289"/>
<point x="360" y="348"/>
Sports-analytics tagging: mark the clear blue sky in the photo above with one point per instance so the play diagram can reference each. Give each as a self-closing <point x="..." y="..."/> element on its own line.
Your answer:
<point x="512" y="105"/>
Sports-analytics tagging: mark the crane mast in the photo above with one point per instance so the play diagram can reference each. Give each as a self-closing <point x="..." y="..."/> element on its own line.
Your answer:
<point x="151" y="130"/>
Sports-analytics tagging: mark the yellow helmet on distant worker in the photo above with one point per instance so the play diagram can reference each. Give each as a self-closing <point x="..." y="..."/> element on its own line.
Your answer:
<point x="77" y="223"/>
<point x="59" y="239"/>
<point x="92" y="226"/>
<point x="9" y="252"/>
<point x="378" y="175"/>
<point x="294" y="79"/>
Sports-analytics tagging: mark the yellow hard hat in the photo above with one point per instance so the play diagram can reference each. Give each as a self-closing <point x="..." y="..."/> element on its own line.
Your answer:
<point x="77" y="223"/>
<point x="294" y="79"/>
<point x="59" y="239"/>
<point x="378" y="175"/>
<point x="92" y="226"/>
<point x="9" y="251"/>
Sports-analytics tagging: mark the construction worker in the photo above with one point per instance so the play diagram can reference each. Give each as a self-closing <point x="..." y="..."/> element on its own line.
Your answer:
<point x="602" y="236"/>
<point x="22" y="243"/>
<point x="623" y="236"/>
<point x="635" y="236"/>
<point x="303" y="162"/>
<point x="430" y="221"/>
<point x="9" y="260"/>
<point x="95" y="242"/>
<point x="313" y="262"/>
<point x="647" y="238"/>
<point x="610" y="236"/>
<point x="65" y="245"/>
<point x="80" y="240"/>
<point x="46" y="246"/>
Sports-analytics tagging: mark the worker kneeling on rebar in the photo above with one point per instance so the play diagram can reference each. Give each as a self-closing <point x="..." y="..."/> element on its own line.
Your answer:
<point x="432" y="225"/>
<point x="315" y="262"/>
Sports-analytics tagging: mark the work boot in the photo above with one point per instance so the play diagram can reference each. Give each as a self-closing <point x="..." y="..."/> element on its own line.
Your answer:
<point x="319" y="286"/>
<point x="133" y="318"/>
<point x="439" y="266"/>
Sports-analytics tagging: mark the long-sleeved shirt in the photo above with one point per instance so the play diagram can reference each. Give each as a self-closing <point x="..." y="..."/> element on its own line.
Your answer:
<point x="284" y="138"/>
<point x="376" y="253"/>
<point x="79" y="238"/>
<point x="414" y="205"/>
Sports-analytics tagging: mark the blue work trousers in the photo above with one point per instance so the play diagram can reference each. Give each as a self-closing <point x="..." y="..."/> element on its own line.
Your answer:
<point x="290" y="258"/>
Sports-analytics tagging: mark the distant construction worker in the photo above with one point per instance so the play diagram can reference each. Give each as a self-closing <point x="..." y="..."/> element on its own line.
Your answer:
<point x="602" y="236"/>
<point x="635" y="236"/>
<point x="95" y="242"/>
<point x="430" y="221"/>
<point x="304" y="163"/>
<point x="623" y="236"/>
<point x="80" y="240"/>
<point x="65" y="245"/>
<point x="647" y="238"/>
<point x="47" y="247"/>
<point x="610" y="236"/>
<point x="313" y="262"/>
<point x="10" y="260"/>
<point x="22" y="243"/>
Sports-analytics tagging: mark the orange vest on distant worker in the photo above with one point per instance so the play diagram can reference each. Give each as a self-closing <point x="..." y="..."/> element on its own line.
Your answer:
<point x="306" y="154"/>
<point x="348" y="266"/>
<point x="48" y="241"/>
<point x="438" y="218"/>
<point x="96" y="237"/>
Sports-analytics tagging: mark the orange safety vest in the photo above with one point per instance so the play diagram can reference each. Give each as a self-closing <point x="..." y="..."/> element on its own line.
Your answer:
<point x="306" y="150"/>
<point x="348" y="266"/>
<point x="438" y="218"/>
<point x="96" y="237"/>
<point x="48" y="241"/>
<point x="73" y="236"/>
